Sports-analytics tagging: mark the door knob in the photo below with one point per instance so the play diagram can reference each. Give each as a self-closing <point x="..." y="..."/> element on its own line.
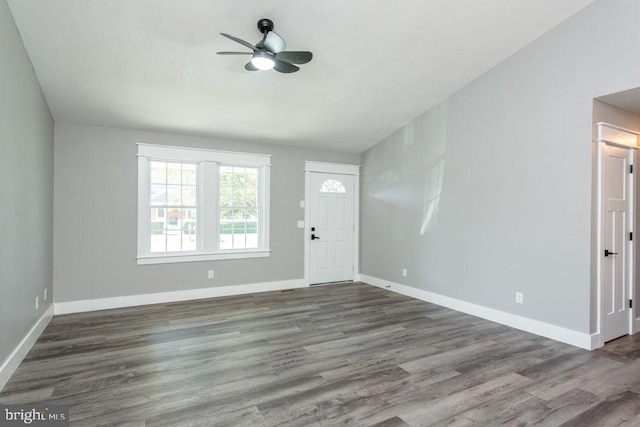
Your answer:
<point x="607" y="253"/>
<point x="314" y="237"/>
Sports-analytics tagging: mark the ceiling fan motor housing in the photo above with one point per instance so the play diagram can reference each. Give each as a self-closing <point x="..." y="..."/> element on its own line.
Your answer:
<point x="265" y="25"/>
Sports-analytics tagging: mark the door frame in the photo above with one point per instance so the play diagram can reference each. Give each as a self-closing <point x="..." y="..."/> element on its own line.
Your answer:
<point x="339" y="169"/>
<point x="608" y="134"/>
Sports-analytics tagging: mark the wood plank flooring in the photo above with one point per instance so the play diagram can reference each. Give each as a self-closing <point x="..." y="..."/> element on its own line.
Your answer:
<point x="342" y="354"/>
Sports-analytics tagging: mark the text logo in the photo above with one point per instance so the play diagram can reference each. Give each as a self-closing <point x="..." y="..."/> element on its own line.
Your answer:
<point x="35" y="415"/>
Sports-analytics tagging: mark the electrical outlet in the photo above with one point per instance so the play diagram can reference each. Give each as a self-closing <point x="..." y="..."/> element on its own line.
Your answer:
<point x="37" y="302"/>
<point x="404" y="272"/>
<point x="519" y="297"/>
<point x="210" y="274"/>
<point x="45" y="294"/>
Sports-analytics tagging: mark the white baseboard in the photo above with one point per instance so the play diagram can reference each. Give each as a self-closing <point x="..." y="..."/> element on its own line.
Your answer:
<point x="175" y="296"/>
<point x="12" y="362"/>
<point x="635" y="324"/>
<point x="558" y="333"/>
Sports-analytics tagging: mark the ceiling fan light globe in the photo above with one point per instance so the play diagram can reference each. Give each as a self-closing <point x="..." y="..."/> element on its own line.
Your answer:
<point x="262" y="61"/>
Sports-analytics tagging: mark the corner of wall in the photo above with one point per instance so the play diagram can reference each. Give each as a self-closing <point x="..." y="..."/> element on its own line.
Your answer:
<point x="12" y="362"/>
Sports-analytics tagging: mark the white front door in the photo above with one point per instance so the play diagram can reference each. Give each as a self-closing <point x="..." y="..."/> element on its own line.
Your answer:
<point x="331" y="227"/>
<point x="617" y="197"/>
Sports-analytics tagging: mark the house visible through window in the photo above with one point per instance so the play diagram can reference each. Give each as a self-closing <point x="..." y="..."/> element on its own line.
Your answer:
<point x="172" y="187"/>
<point x="198" y="204"/>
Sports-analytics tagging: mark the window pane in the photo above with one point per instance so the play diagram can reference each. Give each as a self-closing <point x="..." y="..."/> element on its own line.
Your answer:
<point x="239" y="241"/>
<point x="158" y="237"/>
<point x="251" y="197"/>
<point x="174" y="173"/>
<point x="225" y="176"/>
<point x="174" y="240"/>
<point x="238" y="177"/>
<point x="188" y="174"/>
<point x="173" y="195"/>
<point x="158" y="195"/>
<point x="158" y="242"/>
<point x="189" y="195"/>
<point x="239" y="226"/>
<point x="225" y="196"/>
<point x="189" y="230"/>
<point x="157" y="217"/>
<point x="252" y="241"/>
<point x="252" y="176"/>
<point x="332" y="186"/>
<point x="174" y="218"/>
<point x="158" y="172"/>
<point x="226" y="242"/>
<point x="238" y="196"/>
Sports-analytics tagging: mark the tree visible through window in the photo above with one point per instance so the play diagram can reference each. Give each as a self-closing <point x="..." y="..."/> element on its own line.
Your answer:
<point x="238" y="207"/>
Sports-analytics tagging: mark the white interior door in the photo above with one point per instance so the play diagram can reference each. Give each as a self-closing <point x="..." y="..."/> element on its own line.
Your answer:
<point x="617" y="209"/>
<point x="331" y="228"/>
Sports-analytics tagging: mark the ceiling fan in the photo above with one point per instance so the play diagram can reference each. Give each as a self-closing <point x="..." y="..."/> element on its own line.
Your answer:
<point x="269" y="52"/>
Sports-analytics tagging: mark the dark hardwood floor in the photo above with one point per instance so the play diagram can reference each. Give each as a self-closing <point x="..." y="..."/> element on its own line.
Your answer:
<point x="330" y="355"/>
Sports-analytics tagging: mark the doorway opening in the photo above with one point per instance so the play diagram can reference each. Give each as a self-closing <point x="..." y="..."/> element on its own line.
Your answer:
<point x="616" y="131"/>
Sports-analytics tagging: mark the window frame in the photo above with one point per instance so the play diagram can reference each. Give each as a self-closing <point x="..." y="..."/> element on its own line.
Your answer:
<point x="207" y="231"/>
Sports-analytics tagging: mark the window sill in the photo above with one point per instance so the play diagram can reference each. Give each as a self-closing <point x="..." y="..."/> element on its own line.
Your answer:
<point x="169" y="259"/>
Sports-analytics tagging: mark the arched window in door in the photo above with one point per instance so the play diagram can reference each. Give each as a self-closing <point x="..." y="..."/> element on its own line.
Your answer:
<point x="332" y="186"/>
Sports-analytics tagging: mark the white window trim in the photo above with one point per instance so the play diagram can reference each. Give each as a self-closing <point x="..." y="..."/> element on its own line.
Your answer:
<point x="208" y="205"/>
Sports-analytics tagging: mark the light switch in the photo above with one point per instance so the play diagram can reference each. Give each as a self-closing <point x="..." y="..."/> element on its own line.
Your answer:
<point x="300" y="224"/>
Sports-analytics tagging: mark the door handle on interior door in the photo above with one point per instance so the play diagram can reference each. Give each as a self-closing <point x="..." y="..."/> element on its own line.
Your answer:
<point x="314" y="237"/>
<point x="607" y="253"/>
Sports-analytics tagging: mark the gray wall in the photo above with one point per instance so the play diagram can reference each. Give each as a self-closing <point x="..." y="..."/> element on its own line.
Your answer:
<point x="95" y="216"/>
<point x="514" y="211"/>
<point x="26" y="190"/>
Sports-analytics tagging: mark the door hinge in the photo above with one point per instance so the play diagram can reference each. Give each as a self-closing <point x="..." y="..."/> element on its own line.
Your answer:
<point x="631" y="236"/>
<point x="630" y="168"/>
<point x="630" y="303"/>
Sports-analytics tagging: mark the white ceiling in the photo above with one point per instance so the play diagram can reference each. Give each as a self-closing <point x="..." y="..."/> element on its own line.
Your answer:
<point x="627" y="100"/>
<point x="152" y="64"/>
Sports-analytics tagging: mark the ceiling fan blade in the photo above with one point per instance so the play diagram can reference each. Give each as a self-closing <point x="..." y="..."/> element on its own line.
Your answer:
<point x="237" y="40"/>
<point x="284" y="67"/>
<point x="250" y="67"/>
<point x="235" y="53"/>
<point x="295" y="57"/>
<point x="274" y="43"/>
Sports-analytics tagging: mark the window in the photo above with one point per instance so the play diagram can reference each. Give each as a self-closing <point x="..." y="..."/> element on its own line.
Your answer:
<point x="196" y="204"/>
<point x="238" y="207"/>
<point x="172" y="187"/>
<point x="332" y="186"/>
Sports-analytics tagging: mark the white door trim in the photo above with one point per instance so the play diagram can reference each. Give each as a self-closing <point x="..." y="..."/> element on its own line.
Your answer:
<point x="608" y="134"/>
<point x="336" y="168"/>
